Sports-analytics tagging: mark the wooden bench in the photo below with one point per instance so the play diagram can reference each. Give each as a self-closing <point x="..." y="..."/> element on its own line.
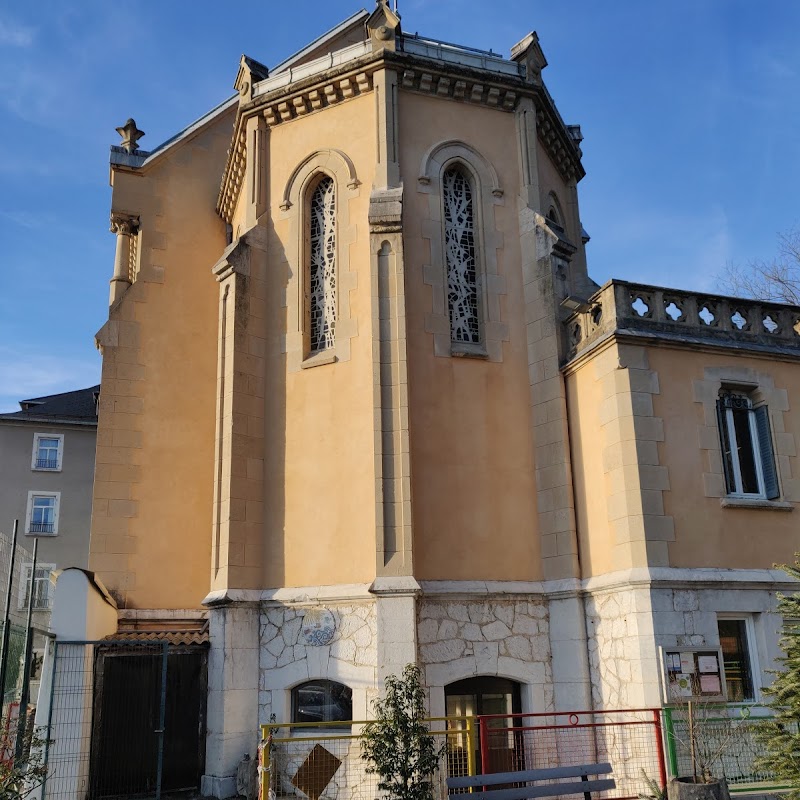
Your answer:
<point x="482" y="785"/>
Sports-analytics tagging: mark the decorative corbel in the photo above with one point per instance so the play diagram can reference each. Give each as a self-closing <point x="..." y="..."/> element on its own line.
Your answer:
<point x="250" y="73"/>
<point x="529" y="53"/>
<point x="383" y="27"/>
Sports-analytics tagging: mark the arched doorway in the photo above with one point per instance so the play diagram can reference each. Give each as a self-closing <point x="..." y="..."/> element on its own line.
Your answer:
<point x="488" y="695"/>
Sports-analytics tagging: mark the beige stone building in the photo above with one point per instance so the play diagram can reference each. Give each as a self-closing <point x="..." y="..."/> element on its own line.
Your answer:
<point x="363" y="405"/>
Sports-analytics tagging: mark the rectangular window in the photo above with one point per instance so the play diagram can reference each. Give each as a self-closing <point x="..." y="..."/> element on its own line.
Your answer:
<point x="42" y="513"/>
<point x="47" y="452"/>
<point x="747" y="457"/>
<point x="733" y="640"/>
<point x="41" y="586"/>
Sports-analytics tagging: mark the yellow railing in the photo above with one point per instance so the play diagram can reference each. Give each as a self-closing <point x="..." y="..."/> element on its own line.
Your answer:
<point x="311" y="756"/>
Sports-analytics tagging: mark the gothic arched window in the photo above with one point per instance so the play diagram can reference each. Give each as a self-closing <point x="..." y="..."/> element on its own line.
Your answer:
<point x="322" y="273"/>
<point x="461" y="256"/>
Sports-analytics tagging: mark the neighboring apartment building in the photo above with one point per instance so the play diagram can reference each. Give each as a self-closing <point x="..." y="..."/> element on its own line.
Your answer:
<point x="46" y="473"/>
<point x="363" y="403"/>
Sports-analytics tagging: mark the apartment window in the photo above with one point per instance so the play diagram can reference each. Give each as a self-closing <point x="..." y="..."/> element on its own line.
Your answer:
<point x="734" y="642"/>
<point x="47" y="451"/>
<point x="322" y="701"/>
<point x="42" y="598"/>
<point x="42" y="512"/>
<point x="461" y="256"/>
<point x="321" y="296"/>
<point x="747" y="456"/>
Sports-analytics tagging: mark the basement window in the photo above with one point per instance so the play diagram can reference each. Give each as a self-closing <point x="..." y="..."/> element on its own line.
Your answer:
<point x="734" y="643"/>
<point x="322" y="701"/>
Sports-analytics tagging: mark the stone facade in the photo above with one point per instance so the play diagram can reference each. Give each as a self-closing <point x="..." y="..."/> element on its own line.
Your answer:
<point x="460" y="637"/>
<point x="285" y="660"/>
<point x="545" y="507"/>
<point x="628" y="626"/>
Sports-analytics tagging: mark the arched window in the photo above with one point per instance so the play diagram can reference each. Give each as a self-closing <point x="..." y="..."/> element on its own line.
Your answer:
<point x="460" y="256"/>
<point x="322" y="701"/>
<point x="321" y="292"/>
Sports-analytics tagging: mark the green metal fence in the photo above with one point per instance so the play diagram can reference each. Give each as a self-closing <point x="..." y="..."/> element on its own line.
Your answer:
<point x="725" y="740"/>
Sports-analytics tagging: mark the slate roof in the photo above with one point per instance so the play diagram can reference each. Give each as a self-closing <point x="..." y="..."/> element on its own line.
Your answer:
<point x="79" y="406"/>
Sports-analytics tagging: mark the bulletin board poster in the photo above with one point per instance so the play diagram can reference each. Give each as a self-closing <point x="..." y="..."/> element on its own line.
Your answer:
<point x="693" y="675"/>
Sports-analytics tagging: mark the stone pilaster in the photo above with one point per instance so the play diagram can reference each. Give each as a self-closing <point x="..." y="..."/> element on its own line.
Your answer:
<point x="388" y="166"/>
<point x="545" y="262"/>
<point x="390" y="386"/>
<point x="232" y="715"/>
<point x="238" y="518"/>
<point x="397" y="624"/>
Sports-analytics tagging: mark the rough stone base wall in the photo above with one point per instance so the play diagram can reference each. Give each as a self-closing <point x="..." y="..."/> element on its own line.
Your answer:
<point x="622" y="654"/>
<point x="688" y="618"/>
<point x="285" y="660"/>
<point x="508" y="635"/>
<point x="628" y="627"/>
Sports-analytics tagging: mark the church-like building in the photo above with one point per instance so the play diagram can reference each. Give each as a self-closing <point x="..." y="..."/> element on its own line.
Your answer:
<point x="362" y="405"/>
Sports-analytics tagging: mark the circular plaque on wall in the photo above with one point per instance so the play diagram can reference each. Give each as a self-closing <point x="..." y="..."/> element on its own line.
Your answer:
<point x="318" y="627"/>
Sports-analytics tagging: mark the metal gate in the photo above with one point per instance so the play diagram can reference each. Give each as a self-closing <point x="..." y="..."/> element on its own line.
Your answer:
<point x="126" y="719"/>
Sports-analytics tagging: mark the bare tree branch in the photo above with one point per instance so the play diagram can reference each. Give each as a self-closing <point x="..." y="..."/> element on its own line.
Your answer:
<point x="777" y="280"/>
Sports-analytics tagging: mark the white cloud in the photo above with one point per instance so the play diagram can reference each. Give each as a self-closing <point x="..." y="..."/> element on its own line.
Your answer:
<point x="15" y="35"/>
<point x="33" y="374"/>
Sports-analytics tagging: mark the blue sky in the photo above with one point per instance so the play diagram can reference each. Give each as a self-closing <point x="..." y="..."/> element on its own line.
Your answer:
<point x="690" y="109"/>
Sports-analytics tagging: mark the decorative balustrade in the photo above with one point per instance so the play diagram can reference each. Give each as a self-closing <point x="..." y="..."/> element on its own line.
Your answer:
<point x="654" y="311"/>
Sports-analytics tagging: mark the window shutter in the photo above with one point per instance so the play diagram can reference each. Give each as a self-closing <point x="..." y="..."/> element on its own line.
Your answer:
<point x="767" y="457"/>
<point x="724" y="441"/>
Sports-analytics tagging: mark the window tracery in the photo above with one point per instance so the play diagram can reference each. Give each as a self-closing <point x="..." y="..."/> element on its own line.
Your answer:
<point x="460" y="254"/>
<point x="322" y="278"/>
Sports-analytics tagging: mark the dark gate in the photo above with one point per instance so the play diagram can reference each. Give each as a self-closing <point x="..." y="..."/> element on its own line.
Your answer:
<point x="126" y="719"/>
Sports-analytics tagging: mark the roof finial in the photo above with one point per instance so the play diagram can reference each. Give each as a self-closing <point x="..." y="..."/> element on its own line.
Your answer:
<point x="130" y="135"/>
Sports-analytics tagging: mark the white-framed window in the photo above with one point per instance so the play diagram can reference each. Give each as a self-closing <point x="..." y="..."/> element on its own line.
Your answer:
<point x="747" y="456"/>
<point x="48" y="451"/>
<point x="42" y="587"/>
<point x="42" y="517"/>
<point x="737" y="643"/>
<point x="321" y="285"/>
<point x="461" y="256"/>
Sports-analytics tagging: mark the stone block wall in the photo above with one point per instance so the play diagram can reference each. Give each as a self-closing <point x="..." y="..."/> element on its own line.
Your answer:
<point x="285" y="660"/>
<point x="627" y="627"/>
<point x="464" y="636"/>
<point x="622" y="654"/>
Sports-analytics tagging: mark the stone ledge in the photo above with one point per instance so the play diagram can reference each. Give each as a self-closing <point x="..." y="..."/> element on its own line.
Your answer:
<point x="318" y="359"/>
<point x="766" y="505"/>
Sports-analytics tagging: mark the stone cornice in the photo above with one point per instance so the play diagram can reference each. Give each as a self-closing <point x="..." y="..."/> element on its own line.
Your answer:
<point x="286" y="103"/>
<point x="416" y="74"/>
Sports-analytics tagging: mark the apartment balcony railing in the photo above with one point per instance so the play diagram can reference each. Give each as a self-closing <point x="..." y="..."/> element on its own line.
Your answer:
<point x="654" y="312"/>
<point x="42" y="527"/>
<point x="46" y="463"/>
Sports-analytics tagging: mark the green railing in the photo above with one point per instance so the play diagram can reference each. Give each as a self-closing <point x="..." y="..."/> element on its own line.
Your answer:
<point x="725" y="739"/>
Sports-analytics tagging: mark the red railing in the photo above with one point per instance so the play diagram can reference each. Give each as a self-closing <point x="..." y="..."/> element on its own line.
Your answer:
<point x="631" y="740"/>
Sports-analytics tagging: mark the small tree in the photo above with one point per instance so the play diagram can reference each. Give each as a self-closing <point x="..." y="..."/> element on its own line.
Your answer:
<point x="21" y="774"/>
<point x="781" y="735"/>
<point x="397" y="743"/>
